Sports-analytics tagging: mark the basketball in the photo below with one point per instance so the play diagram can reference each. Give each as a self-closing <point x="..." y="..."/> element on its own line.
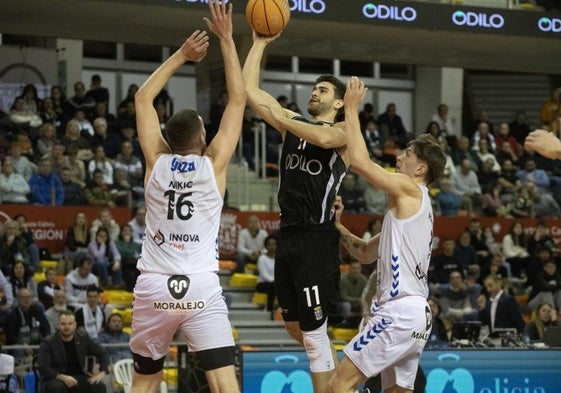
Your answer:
<point x="267" y="17"/>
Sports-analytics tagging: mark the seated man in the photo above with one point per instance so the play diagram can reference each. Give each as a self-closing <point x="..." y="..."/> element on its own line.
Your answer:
<point x="78" y="280"/>
<point x="64" y="360"/>
<point x="113" y="334"/>
<point x="351" y="286"/>
<point x="456" y="300"/>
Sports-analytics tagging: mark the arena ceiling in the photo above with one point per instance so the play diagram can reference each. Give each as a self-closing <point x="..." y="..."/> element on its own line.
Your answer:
<point x="140" y="23"/>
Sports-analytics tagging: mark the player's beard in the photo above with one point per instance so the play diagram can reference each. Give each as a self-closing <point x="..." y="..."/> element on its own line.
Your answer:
<point x="316" y="108"/>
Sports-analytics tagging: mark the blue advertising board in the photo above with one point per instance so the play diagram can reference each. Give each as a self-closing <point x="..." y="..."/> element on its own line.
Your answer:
<point x="460" y="371"/>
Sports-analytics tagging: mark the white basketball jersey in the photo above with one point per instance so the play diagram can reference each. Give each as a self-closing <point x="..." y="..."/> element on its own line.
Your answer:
<point x="183" y="207"/>
<point x="404" y="253"/>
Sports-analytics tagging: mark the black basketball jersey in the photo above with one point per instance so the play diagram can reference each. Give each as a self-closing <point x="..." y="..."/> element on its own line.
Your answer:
<point x="310" y="177"/>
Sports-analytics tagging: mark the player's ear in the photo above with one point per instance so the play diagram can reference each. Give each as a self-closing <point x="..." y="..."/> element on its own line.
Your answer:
<point x="421" y="169"/>
<point x="338" y="104"/>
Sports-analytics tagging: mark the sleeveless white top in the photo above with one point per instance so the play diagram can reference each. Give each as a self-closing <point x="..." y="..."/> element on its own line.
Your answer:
<point x="183" y="207"/>
<point x="404" y="253"/>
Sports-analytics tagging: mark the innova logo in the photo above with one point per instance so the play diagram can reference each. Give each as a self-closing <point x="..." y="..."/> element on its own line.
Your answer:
<point x="478" y="19"/>
<point x="552" y="25"/>
<point x="393" y="12"/>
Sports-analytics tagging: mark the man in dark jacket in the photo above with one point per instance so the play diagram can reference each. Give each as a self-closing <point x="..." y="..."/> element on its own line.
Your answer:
<point x="65" y="360"/>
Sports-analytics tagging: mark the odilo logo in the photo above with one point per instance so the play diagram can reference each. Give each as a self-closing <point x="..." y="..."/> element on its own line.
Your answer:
<point x="478" y="19"/>
<point x="552" y="25"/>
<point x="372" y="11"/>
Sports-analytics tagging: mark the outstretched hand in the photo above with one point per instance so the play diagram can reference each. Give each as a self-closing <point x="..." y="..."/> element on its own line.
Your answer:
<point x="195" y="47"/>
<point x="266" y="39"/>
<point x="544" y="142"/>
<point x="355" y="93"/>
<point x="221" y="23"/>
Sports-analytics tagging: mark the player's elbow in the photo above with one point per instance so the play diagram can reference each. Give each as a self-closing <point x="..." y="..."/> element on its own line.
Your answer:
<point x="141" y="97"/>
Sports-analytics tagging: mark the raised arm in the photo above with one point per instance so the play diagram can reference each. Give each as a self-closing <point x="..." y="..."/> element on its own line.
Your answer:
<point x="365" y="251"/>
<point x="148" y="125"/>
<point x="392" y="183"/>
<point x="224" y="143"/>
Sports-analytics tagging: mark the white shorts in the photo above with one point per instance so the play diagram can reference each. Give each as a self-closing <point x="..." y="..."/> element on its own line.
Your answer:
<point x="392" y="341"/>
<point x="165" y="304"/>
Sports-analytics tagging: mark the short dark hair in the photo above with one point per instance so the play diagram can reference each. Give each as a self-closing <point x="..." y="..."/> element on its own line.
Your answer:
<point x="65" y="312"/>
<point x="340" y="87"/>
<point x="182" y="128"/>
<point x="430" y="152"/>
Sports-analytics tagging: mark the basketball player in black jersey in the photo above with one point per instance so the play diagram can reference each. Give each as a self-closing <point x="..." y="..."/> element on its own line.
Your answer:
<point x="312" y="166"/>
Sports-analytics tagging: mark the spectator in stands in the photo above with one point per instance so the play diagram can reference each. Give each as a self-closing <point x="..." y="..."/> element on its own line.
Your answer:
<point x="448" y="203"/>
<point x="107" y="259"/>
<point x="466" y="185"/>
<point x="365" y="115"/>
<point x="515" y="249"/>
<point x="138" y="224"/>
<point x="59" y="101"/>
<point x="26" y="324"/>
<point x="251" y="242"/>
<point x="375" y="200"/>
<point x="12" y="247"/>
<point x="546" y="287"/>
<point x="122" y="192"/>
<point x="131" y="164"/>
<point x="76" y="166"/>
<point x="46" y="187"/>
<point x="86" y="127"/>
<point x="442" y="264"/>
<point x="266" y="269"/>
<point x="30" y="98"/>
<point x="373" y="228"/>
<point x="372" y="137"/>
<point x="531" y="173"/>
<point x="248" y="137"/>
<point x="544" y="316"/>
<point x="443" y="120"/>
<point x="73" y="194"/>
<point x="509" y="182"/>
<point x="485" y="155"/>
<point x="483" y="133"/>
<point x="551" y="109"/>
<point x="13" y="187"/>
<point x="352" y="194"/>
<point x="49" y="115"/>
<point x="32" y="249"/>
<point x="462" y="151"/>
<point x="522" y="204"/>
<point x="390" y="124"/>
<point x="97" y="92"/>
<point x="537" y="260"/>
<point x="130" y="251"/>
<point x="541" y="239"/>
<point x="57" y="157"/>
<point x="77" y="238"/>
<point x="22" y="165"/>
<point x="113" y="334"/>
<point x="504" y="135"/>
<point x="439" y="333"/>
<point x="465" y="253"/>
<point x="69" y="373"/>
<point x="483" y="117"/>
<point x="496" y="266"/>
<point x="162" y="112"/>
<point x="110" y="141"/>
<point x="46" y="289"/>
<point x="7" y="298"/>
<point x="59" y="304"/>
<point x="79" y="101"/>
<point x="456" y="299"/>
<point x="478" y="241"/>
<point x="22" y="278"/>
<point x="73" y="140"/>
<point x="128" y="116"/>
<point x="131" y="91"/>
<point x="106" y="220"/>
<point x="101" y="110"/>
<point x="98" y="193"/>
<point x="20" y="116"/>
<point x="433" y="129"/>
<point x="499" y="310"/>
<point x="351" y="285"/>
<point x="102" y="163"/>
<point x="47" y="138"/>
<point x="519" y="128"/>
<point x="491" y="203"/>
<point x="544" y="205"/>
<point x="78" y="280"/>
<point x="91" y="318"/>
<point x="504" y="152"/>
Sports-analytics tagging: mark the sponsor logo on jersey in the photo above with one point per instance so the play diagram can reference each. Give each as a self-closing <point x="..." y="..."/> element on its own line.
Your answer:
<point x="420" y="336"/>
<point x="179" y="307"/>
<point x="159" y="238"/>
<point x="182" y="166"/>
<point x="300" y="162"/>
<point x="178" y="286"/>
<point x="318" y="313"/>
<point x="184" y="237"/>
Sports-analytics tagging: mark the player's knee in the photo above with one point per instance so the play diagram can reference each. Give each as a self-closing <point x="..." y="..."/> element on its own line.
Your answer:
<point x="147" y="366"/>
<point x="318" y="349"/>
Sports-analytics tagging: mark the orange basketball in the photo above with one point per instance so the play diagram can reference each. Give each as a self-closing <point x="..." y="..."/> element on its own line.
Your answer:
<point x="267" y="17"/>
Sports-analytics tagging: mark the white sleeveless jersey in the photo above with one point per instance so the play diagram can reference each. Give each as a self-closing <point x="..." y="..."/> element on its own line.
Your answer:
<point x="183" y="207"/>
<point x="404" y="253"/>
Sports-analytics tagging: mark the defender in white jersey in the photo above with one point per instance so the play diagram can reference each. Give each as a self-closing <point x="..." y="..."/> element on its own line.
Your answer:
<point x="178" y="287"/>
<point x="392" y="340"/>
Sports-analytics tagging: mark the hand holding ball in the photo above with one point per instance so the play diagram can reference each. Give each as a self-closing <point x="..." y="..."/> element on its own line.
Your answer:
<point x="267" y="17"/>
